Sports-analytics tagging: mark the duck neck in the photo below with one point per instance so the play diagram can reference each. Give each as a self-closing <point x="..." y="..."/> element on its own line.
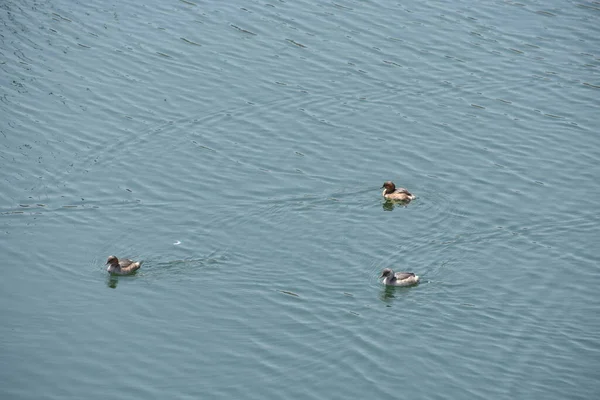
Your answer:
<point x="114" y="267"/>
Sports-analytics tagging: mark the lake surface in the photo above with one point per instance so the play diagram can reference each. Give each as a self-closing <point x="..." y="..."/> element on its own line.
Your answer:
<point x="238" y="148"/>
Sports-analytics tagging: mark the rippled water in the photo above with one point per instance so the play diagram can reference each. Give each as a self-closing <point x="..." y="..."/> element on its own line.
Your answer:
<point x="238" y="148"/>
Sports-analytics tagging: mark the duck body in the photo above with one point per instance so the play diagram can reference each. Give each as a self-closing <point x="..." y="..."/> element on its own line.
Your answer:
<point x="391" y="278"/>
<point x="123" y="266"/>
<point x="390" y="192"/>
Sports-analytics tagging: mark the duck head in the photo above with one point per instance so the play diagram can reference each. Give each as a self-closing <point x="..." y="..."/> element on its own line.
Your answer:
<point x="387" y="273"/>
<point x="113" y="261"/>
<point x="389" y="187"/>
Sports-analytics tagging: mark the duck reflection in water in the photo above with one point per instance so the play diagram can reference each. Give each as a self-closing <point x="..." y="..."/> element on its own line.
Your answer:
<point x="389" y="205"/>
<point x="112" y="281"/>
<point x="387" y="294"/>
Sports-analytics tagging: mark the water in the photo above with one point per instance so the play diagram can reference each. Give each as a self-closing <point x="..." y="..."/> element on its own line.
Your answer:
<point x="238" y="149"/>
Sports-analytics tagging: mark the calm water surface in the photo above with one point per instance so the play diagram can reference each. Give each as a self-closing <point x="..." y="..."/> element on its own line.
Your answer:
<point x="238" y="149"/>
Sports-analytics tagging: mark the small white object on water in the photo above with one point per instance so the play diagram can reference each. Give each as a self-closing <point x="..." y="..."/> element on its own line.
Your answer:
<point x="177" y="243"/>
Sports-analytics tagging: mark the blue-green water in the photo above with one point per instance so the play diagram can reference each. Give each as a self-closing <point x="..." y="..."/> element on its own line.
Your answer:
<point x="238" y="149"/>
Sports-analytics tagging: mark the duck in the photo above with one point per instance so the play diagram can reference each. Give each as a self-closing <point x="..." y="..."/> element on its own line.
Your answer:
<point x="399" y="278"/>
<point x="390" y="192"/>
<point x="123" y="266"/>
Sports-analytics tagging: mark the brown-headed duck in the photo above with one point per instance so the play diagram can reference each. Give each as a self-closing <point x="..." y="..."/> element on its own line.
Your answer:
<point x="399" y="278"/>
<point x="123" y="266"/>
<point x="391" y="193"/>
